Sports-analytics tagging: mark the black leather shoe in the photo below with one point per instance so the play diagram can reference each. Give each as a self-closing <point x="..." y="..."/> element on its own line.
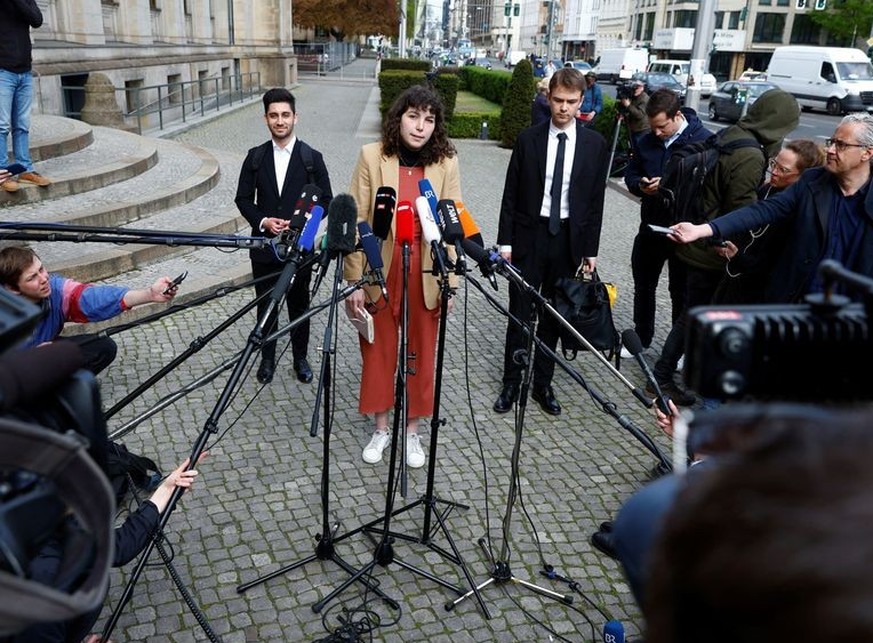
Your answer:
<point x="545" y="397"/>
<point x="602" y="540"/>
<point x="606" y="526"/>
<point x="303" y="370"/>
<point x="266" y="370"/>
<point x="507" y="398"/>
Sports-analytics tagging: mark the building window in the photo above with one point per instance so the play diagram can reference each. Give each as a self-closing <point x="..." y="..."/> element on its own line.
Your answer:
<point x="769" y="27"/>
<point x="734" y="20"/>
<point x="134" y="99"/>
<point x="650" y="26"/>
<point x="719" y="19"/>
<point x="174" y="88"/>
<point x="782" y="3"/>
<point x="804" y="31"/>
<point x="765" y="3"/>
<point x="685" y="18"/>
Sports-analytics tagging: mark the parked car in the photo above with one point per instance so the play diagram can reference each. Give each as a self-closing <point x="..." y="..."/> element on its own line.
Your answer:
<point x="657" y="80"/>
<point x="723" y="102"/>
<point x="581" y="65"/>
<point x="750" y="74"/>
<point x="680" y="70"/>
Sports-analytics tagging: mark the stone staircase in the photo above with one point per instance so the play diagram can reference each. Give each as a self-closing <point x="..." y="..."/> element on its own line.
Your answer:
<point x="111" y="178"/>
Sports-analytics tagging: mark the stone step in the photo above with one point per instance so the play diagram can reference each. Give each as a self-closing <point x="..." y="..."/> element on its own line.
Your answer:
<point x="54" y="136"/>
<point x="113" y="156"/>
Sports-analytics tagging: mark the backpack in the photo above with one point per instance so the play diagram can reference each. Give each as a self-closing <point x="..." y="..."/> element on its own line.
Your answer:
<point x="687" y="168"/>
<point x="305" y="155"/>
<point x="124" y="468"/>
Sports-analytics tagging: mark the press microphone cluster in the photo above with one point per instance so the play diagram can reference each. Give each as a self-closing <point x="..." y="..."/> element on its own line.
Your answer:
<point x="374" y="256"/>
<point x="383" y="211"/>
<point x="339" y="238"/>
<point x="284" y="244"/>
<point x="432" y="236"/>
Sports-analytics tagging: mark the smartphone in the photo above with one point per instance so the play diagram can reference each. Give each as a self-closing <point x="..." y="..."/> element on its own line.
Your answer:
<point x="15" y="169"/>
<point x="660" y="229"/>
<point x="645" y="180"/>
<point x="176" y="282"/>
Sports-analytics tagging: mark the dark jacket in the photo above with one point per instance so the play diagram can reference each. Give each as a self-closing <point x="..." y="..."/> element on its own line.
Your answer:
<point x="525" y="186"/>
<point x="15" y="46"/>
<point x="649" y="161"/>
<point x="540" y="110"/>
<point x="735" y="179"/>
<point x="637" y="120"/>
<point x="804" y="208"/>
<point x="257" y="195"/>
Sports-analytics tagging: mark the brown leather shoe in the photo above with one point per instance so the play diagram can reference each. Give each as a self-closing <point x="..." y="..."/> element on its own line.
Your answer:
<point x="35" y="178"/>
<point x="10" y="185"/>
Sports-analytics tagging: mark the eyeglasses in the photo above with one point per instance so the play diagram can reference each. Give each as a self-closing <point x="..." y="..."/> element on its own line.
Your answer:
<point x="774" y="166"/>
<point x="841" y="146"/>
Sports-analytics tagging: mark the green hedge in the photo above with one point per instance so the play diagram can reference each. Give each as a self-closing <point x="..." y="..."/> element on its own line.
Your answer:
<point x="517" y="103"/>
<point x="605" y="123"/>
<point x="490" y="85"/>
<point x="469" y="125"/>
<point x="405" y="64"/>
<point x="394" y="83"/>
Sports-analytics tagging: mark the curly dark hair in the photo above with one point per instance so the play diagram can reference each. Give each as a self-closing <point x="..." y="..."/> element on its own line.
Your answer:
<point x="439" y="146"/>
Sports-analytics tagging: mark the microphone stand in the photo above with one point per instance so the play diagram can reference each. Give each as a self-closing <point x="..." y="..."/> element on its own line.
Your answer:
<point x="210" y="427"/>
<point x="384" y="552"/>
<point x="325" y="541"/>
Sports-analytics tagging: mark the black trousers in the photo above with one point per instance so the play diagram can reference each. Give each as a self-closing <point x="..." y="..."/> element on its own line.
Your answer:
<point x="99" y="351"/>
<point x="550" y="260"/>
<point x="297" y="301"/>
<point x="650" y="253"/>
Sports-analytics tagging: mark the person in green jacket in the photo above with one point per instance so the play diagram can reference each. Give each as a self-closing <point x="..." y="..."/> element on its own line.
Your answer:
<point x="732" y="184"/>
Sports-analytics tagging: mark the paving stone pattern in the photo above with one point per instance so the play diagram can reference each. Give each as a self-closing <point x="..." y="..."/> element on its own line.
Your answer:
<point x="257" y="504"/>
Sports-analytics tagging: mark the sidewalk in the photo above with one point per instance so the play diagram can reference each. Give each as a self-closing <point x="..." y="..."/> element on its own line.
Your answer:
<point x="258" y="506"/>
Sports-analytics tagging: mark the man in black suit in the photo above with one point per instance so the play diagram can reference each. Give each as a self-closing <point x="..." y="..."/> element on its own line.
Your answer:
<point x="271" y="180"/>
<point x="546" y="242"/>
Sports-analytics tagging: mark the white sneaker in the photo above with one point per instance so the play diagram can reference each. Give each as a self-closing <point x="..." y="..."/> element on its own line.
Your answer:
<point x="373" y="451"/>
<point x="414" y="453"/>
<point x="680" y="365"/>
<point x="626" y="354"/>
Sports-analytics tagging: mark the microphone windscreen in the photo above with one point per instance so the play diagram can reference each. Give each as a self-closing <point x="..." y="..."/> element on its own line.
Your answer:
<point x="342" y="214"/>
<point x="632" y="341"/>
<point x="613" y="632"/>
<point x="476" y="252"/>
<point x="471" y="230"/>
<point x="425" y="216"/>
<point x="451" y="224"/>
<point x="383" y="211"/>
<point x="308" y="198"/>
<point x="426" y="190"/>
<point x="310" y="228"/>
<point x="28" y="375"/>
<point x="404" y="225"/>
<point x="370" y="245"/>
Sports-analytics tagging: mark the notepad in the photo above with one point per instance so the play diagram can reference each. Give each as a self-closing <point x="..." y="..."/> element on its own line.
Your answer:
<point x="364" y="323"/>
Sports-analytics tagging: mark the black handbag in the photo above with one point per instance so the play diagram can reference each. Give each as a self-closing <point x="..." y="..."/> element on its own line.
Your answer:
<point x="583" y="301"/>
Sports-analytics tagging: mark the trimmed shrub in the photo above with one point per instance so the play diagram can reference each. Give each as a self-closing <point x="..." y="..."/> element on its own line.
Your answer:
<point x="490" y="85"/>
<point x="405" y="64"/>
<point x="605" y="122"/>
<point x="469" y="125"/>
<point x="517" y="102"/>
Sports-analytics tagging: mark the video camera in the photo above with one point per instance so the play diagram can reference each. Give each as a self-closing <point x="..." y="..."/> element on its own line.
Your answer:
<point x="785" y="352"/>
<point x="624" y="90"/>
<point x="52" y="455"/>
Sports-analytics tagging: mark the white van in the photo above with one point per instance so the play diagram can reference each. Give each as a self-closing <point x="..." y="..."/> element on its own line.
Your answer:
<point x="837" y="79"/>
<point x="621" y="64"/>
<point x="680" y="69"/>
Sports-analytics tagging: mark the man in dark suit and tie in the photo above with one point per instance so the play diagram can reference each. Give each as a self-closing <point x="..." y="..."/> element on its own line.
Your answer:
<point x="271" y="180"/>
<point x="550" y="221"/>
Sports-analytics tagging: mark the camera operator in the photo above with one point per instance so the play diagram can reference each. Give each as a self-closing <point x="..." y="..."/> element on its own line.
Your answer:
<point x="63" y="300"/>
<point x="633" y="100"/>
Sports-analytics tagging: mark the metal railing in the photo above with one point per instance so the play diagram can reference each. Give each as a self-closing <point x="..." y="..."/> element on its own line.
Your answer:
<point x="155" y="106"/>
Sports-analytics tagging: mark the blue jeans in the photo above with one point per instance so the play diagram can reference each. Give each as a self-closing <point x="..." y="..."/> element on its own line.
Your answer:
<point x="16" y="96"/>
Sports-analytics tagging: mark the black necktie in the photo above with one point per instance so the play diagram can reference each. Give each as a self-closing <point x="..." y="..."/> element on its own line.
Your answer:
<point x="557" y="183"/>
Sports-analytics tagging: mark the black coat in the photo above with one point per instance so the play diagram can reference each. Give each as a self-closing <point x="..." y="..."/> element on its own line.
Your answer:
<point x="257" y="195"/>
<point x="525" y="187"/>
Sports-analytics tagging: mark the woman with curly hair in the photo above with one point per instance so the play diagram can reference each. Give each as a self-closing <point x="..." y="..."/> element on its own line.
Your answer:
<point x="414" y="146"/>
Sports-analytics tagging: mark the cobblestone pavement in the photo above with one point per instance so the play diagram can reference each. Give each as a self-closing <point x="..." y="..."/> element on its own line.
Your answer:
<point x="257" y="505"/>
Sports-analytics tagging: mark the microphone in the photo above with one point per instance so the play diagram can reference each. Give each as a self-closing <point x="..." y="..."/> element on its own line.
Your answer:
<point x="308" y="198"/>
<point x="471" y="230"/>
<point x="342" y="213"/>
<point x="426" y="190"/>
<point x="487" y="264"/>
<point x="613" y="632"/>
<point x="404" y="226"/>
<point x="374" y="256"/>
<point x="306" y="240"/>
<point x="383" y="211"/>
<point x="452" y="231"/>
<point x="27" y="375"/>
<point x="632" y="342"/>
<point x="431" y="234"/>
